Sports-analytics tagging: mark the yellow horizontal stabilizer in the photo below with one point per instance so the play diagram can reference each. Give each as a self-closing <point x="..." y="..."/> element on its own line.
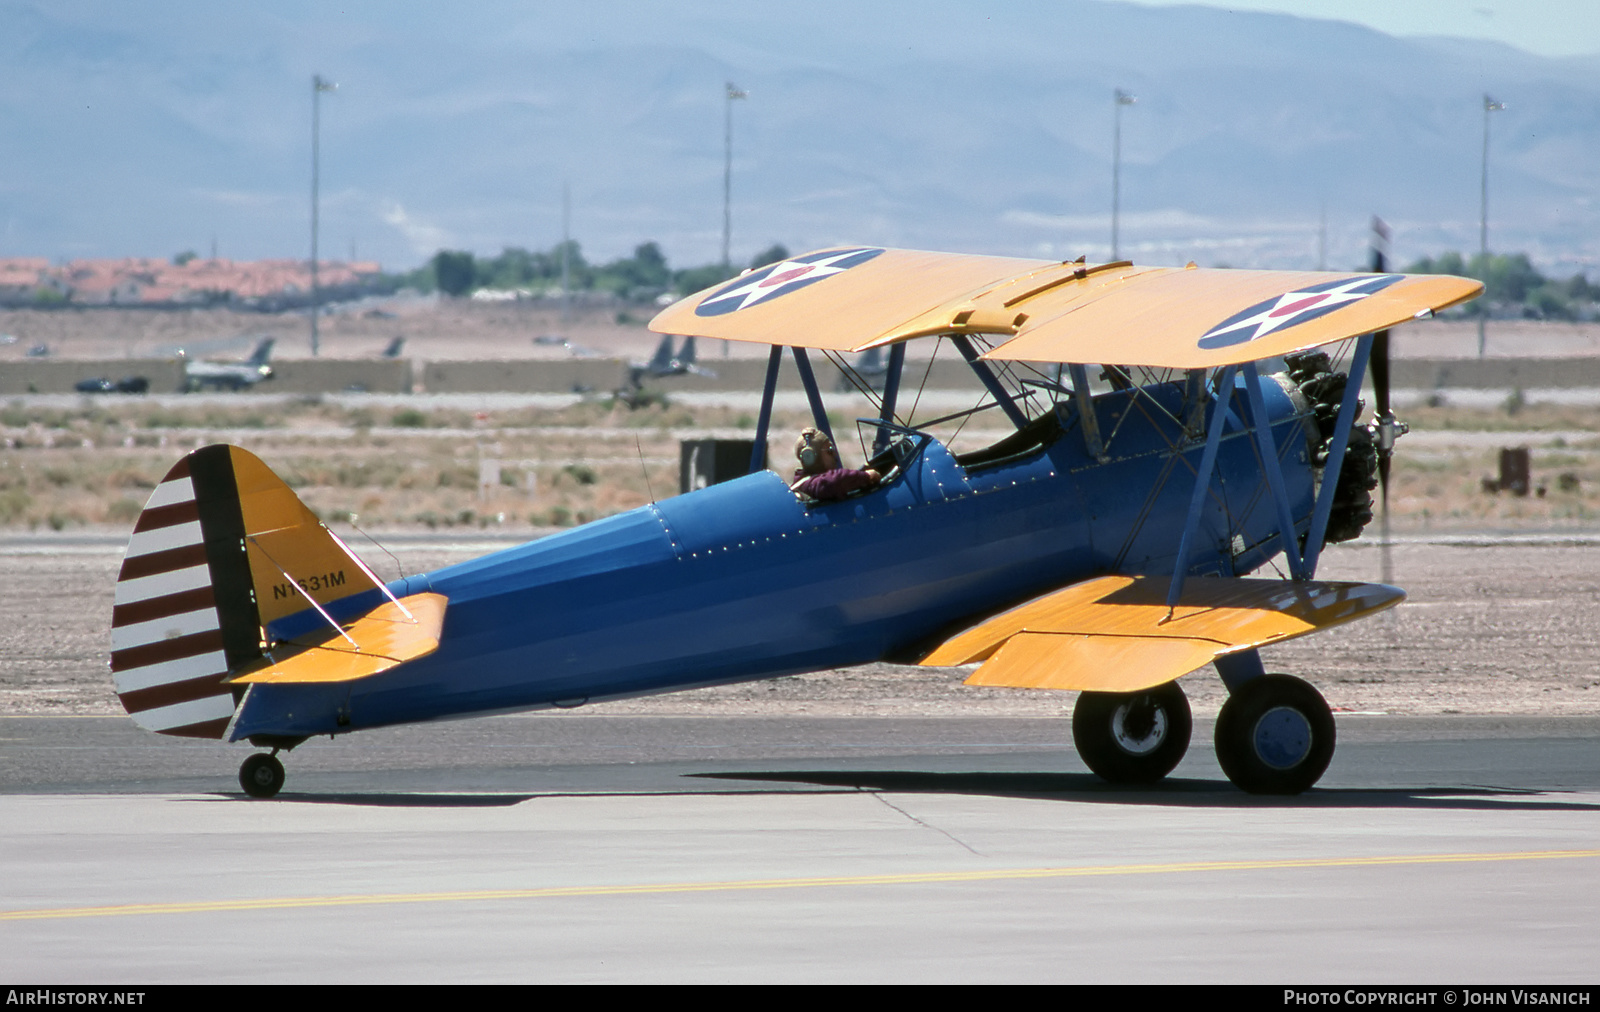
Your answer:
<point x="384" y="637"/>
<point x="851" y="299"/>
<point x="1114" y="633"/>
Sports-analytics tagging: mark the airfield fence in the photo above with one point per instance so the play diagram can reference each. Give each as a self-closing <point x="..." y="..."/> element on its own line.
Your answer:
<point x="310" y="376"/>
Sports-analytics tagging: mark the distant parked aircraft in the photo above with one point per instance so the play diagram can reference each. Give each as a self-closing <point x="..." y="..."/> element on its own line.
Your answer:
<point x="666" y="363"/>
<point x="101" y="385"/>
<point x="230" y="375"/>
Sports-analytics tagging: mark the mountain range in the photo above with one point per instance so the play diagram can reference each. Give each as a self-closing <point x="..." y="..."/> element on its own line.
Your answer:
<point x="1257" y="139"/>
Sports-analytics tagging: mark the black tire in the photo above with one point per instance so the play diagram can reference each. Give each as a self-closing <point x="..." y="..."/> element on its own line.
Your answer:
<point x="1132" y="737"/>
<point x="1275" y="735"/>
<point x="261" y="775"/>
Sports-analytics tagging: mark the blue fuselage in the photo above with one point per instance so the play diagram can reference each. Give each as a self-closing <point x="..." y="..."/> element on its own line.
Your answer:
<point x="743" y="581"/>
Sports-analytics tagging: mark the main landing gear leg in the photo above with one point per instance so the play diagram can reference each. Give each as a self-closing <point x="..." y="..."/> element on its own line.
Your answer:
<point x="1132" y="737"/>
<point x="1275" y="735"/>
<point x="261" y="775"/>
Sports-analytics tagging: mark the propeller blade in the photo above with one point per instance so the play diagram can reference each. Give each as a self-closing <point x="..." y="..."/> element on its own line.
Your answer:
<point x="1387" y="429"/>
<point x="1379" y="366"/>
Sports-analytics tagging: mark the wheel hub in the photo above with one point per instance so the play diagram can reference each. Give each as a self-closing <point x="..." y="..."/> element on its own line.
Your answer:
<point x="1139" y="727"/>
<point x="1283" y="737"/>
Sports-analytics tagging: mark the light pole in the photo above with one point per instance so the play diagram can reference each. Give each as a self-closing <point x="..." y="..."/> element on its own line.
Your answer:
<point x="733" y="92"/>
<point x="1489" y="106"/>
<point x="566" y="249"/>
<point x="1119" y="98"/>
<point x="318" y="86"/>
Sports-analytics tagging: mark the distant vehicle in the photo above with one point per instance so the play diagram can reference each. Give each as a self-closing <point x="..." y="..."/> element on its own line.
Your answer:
<point x="557" y="341"/>
<point x="230" y="375"/>
<point x="39" y="351"/>
<point x="393" y="350"/>
<point x="666" y="363"/>
<point x="101" y="385"/>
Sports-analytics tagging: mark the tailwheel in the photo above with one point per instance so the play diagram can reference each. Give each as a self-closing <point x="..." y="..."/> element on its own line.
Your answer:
<point x="261" y="775"/>
<point x="1275" y="735"/>
<point x="1132" y="737"/>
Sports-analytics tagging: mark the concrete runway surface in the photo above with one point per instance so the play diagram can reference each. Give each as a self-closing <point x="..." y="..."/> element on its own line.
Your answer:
<point x="577" y="847"/>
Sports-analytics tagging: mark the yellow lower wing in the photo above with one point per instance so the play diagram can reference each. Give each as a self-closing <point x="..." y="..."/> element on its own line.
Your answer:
<point x="1116" y="634"/>
<point x="383" y="638"/>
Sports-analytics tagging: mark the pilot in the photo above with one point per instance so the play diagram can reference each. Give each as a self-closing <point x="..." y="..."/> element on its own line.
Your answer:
<point x="820" y="475"/>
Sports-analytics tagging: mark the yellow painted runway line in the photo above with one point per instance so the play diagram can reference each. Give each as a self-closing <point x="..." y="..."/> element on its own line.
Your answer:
<point x="921" y="878"/>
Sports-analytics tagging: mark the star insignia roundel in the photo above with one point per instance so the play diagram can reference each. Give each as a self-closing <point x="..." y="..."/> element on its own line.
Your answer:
<point x="781" y="278"/>
<point x="1294" y="307"/>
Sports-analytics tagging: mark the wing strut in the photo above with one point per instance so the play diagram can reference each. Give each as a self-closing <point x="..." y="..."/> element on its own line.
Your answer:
<point x="984" y="373"/>
<point x="1335" y="461"/>
<point x="891" y="393"/>
<point x="1084" y="401"/>
<point x="1194" y="400"/>
<point x="1202" y="482"/>
<point x="1262" y="424"/>
<point x="758" y="451"/>
<point x="808" y="379"/>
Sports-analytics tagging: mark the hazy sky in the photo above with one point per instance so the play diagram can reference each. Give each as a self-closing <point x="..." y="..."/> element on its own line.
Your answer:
<point x="1546" y="27"/>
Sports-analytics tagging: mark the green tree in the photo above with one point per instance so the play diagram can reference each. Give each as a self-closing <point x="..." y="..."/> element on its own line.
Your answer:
<point x="650" y="266"/>
<point x="1508" y="278"/>
<point x="454" y="271"/>
<point x="1549" y="302"/>
<point x="513" y="268"/>
<point x="1445" y="263"/>
<point x="580" y="273"/>
<point x="644" y="273"/>
<point x="771" y="255"/>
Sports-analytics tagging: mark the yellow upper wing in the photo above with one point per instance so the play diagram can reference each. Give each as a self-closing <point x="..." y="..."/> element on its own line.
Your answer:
<point x="853" y="298"/>
<point x="1198" y="318"/>
<point x="838" y="299"/>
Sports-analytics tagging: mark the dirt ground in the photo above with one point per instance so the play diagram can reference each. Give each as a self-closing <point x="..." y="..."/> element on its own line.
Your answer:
<point x="399" y="467"/>
<point x="1488" y="629"/>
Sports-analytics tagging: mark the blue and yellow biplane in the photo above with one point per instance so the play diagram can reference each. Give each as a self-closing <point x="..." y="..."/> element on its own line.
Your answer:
<point x="1101" y="546"/>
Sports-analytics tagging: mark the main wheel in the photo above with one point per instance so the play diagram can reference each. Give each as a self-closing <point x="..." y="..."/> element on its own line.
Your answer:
<point x="1132" y="737"/>
<point x="1275" y="735"/>
<point x="261" y="775"/>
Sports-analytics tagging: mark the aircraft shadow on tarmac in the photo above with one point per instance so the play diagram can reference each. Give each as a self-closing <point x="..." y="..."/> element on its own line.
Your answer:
<point x="1049" y="786"/>
<point x="1171" y="791"/>
<point x="392" y="800"/>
